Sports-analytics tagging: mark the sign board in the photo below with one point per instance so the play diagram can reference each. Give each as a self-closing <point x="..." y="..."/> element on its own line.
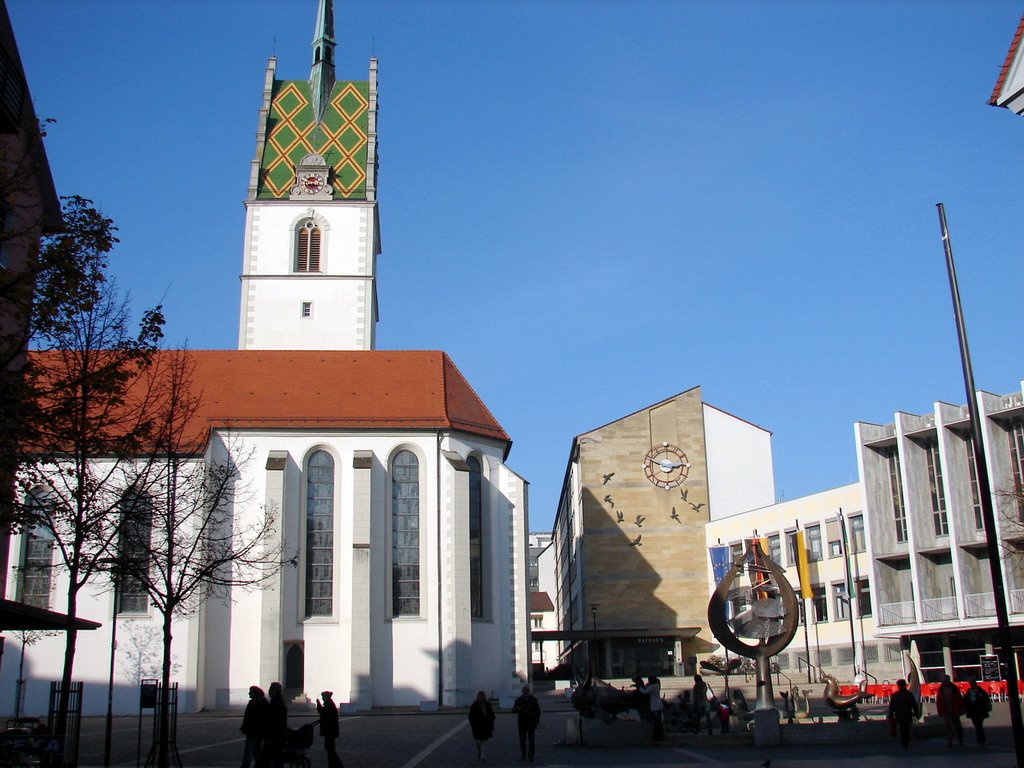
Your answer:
<point x="147" y="694"/>
<point x="32" y="744"/>
<point x="990" y="667"/>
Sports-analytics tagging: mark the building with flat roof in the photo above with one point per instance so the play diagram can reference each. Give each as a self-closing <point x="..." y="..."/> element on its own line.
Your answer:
<point x="931" y="578"/>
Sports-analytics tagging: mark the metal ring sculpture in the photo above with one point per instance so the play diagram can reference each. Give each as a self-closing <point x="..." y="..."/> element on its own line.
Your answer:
<point x="773" y="610"/>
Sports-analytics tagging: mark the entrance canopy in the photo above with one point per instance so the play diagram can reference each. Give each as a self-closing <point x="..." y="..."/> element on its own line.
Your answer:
<point x="604" y="634"/>
<point x="15" y="615"/>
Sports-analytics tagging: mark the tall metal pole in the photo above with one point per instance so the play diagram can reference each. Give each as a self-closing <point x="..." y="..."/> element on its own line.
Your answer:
<point x="110" y="684"/>
<point x="985" y="492"/>
<point x="849" y="588"/>
<point x="593" y="657"/>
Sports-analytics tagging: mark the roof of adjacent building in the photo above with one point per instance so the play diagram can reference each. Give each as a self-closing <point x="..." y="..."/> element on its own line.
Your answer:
<point x="1007" y="63"/>
<point x="391" y="390"/>
<point x="541" y="601"/>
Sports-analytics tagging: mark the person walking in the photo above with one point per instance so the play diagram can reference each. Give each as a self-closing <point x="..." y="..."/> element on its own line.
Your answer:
<point x="252" y="726"/>
<point x="700" y="702"/>
<point x="950" y="704"/>
<point x="481" y="721"/>
<point x="902" y="710"/>
<point x="977" y="705"/>
<point x="275" y="727"/>
<point x="528" y="710"/>
<point x="329" y="729"/>
<point x="656" y="706"/>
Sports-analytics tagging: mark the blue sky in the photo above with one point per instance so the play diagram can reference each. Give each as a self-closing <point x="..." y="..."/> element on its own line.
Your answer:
<point x="592" y="206"/>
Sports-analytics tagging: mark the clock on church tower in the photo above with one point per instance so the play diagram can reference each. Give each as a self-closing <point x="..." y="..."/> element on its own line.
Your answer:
<point x="311" y="179"/>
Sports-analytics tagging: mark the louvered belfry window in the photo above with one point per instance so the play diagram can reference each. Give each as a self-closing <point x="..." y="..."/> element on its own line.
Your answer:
<point x="308" y="247"/>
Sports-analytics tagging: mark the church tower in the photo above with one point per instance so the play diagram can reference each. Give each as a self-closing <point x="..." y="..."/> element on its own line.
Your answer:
<point x="311" y="223"/>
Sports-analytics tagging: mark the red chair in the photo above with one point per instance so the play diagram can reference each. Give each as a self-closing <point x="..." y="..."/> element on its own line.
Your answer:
<point x="995" y="689"/>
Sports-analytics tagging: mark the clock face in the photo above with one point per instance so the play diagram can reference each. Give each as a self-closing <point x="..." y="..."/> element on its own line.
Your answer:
<point x="312" y="183"/>
<point x="666" y="466"/>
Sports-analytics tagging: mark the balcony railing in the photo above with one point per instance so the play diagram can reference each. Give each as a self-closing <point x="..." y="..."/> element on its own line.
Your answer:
<point x="1017" y="601"/>
<point x="938" y="608"/>
<point x="980" y="604"/>
<point x="896" y="613"/>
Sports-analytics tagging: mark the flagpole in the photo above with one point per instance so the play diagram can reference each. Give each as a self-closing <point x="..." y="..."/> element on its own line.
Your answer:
<point x="985" y="492"/>
<point x="849" y="589"/>
<point x="803" y="601"/>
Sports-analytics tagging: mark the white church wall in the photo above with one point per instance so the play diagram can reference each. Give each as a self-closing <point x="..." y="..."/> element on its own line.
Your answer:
<point x="497" y="667"/>
<point x="139" y="648"/>
<point x="404" y="651"/>
<point x="339" y="296"/>
<point x="740" y="473"/>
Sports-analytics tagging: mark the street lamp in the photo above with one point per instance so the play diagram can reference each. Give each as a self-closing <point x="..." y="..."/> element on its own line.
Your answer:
<point x="593" y="618"/>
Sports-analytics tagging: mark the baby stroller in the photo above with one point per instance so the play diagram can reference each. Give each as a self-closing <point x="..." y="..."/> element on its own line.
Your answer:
<point x="296" y="743"/>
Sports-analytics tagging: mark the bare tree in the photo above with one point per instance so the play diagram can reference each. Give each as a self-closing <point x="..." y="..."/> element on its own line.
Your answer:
<point x="143" y="652"/>
<point x="1012" y="525"/>
<point x="189" y="547"/>
<point x="88" y="410"/>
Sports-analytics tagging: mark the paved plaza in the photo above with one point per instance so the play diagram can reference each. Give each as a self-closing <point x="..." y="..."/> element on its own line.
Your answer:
<point x="443" y="740"/>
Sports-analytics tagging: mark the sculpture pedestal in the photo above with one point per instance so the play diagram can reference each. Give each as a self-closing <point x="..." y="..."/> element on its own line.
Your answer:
<point x="766" y="728"/>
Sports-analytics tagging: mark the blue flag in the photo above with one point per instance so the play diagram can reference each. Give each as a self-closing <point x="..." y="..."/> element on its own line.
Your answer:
<point x="720" y="562"/>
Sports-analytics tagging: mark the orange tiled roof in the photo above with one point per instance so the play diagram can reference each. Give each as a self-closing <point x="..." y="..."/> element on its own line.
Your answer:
<point x="1007" y="62"/>
<point x="255" y="389"/>
<point x="541" y="601"/>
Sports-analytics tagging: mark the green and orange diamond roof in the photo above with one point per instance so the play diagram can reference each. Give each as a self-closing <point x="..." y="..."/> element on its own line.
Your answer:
<point x="340" y="138"/>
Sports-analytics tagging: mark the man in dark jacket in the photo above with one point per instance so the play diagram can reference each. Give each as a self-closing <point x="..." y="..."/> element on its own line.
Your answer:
<point x="903" y="708"/>
<point x="977" y="705"/>
<point x="328" y="712"/>
<point x="528" y="709"/>
<point x="252" y="725"/>
<point x="275" y="729"/>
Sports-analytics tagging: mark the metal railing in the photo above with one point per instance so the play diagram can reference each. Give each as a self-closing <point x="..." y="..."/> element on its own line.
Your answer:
<point x="980" y="604"/>
<point x="1017" y="601"/>
<point x="814" y="669"/>
<point x="896" y="613"/>
<point x="938" y="608"/>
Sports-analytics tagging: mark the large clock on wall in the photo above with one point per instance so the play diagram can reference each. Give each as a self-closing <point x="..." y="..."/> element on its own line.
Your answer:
<point x="666" y="466"/>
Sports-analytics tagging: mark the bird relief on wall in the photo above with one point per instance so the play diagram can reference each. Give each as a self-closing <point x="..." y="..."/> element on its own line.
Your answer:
<point x="665" y="466"/>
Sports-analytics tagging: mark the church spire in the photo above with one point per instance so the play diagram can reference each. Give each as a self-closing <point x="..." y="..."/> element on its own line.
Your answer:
<point x="321" y="75"/>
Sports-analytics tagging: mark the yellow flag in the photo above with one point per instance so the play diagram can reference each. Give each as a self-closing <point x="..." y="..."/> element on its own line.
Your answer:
<point x="802" y="569"/>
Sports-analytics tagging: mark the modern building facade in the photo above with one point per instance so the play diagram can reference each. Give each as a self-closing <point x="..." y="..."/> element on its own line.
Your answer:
<point x="629" y="533"/>
<point x="837" y="633"/>
<point x="931" y="578"/>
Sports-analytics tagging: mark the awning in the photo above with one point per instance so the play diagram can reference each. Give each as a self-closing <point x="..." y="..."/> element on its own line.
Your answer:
<point x="603" y="634"/>
<point x="15" y="615"/>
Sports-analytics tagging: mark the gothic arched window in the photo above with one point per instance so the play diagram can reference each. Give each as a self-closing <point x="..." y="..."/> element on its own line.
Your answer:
<point x="405" y="534"/>
<point x="319" y="535"/>
<point x="476" y="539"/>
<point x="307" y="247"/>
<point x="134" y="549"/>
<point x="34" y="581"/>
